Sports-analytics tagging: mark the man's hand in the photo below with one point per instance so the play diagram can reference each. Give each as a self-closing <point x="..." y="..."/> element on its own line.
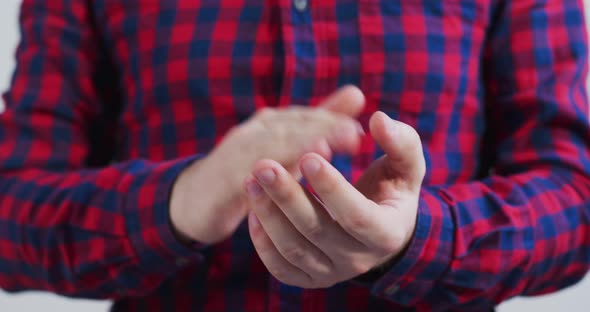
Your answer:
<point x="207" y="202"/>
<point x="314" y="243"/>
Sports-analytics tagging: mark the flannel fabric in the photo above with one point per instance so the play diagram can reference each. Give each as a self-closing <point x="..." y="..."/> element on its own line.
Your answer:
<point x="110" y="100"/>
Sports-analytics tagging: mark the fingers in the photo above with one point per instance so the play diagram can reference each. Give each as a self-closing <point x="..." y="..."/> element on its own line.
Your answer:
<point x="286" y="134"/>
<point x="298" y="127"/>
<point x="402" y="145"/>
<point x="358" y="216"/>
<point x="302" y="210"/>
<point x="296" y="238"/>
<point x="280" y="268"/>
<point x="348" y="100"/>
<point x="315" y="128"/>
<point x="344" y="137"/>
<point x="343" y="131"/>
<point x="289" y="242"/>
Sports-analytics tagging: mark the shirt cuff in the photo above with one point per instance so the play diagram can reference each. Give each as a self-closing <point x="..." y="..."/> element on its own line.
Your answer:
<point x="148" y="220"/>
<point x="428" y="256"/>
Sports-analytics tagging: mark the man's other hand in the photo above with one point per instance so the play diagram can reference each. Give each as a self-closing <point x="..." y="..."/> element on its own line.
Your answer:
<point x="208" y="203"/>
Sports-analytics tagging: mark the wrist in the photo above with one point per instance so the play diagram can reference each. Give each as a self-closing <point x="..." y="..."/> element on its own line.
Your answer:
<point x="230" y="163"/>
<point x="199" y="197"/>
<point x="179" y="205"/>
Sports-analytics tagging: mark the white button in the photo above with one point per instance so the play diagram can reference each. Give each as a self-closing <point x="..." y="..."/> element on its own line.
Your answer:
<point x="300" y="5"/>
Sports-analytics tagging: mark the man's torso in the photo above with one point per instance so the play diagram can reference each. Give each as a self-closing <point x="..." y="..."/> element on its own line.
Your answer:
<point x="189" y="70"/>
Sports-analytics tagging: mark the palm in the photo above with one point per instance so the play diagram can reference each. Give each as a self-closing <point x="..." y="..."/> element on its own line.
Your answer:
<point x="383" y="185"/>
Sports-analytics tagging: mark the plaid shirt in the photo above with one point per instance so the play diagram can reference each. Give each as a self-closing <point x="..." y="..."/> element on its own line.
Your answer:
<point x="112" y="99"/>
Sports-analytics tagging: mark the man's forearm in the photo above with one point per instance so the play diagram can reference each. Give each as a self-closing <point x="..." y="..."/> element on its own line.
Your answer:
<point x="81" y="233"/>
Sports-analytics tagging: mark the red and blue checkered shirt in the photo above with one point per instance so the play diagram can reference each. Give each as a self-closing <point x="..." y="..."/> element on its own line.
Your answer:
<point x="110" y="100"/>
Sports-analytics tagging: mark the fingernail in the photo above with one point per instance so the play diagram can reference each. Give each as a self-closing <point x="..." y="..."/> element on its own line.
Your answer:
<point x="311" y="166"/>
<point x="253" y="189"/>
<point x="266" y="176"/>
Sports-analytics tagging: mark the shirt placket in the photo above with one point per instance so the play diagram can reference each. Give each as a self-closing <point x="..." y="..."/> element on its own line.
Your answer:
<point x="299" y="51"/>
<point x="297" y="88"/>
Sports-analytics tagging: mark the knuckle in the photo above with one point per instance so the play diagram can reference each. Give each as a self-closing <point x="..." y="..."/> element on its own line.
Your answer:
<point x="295" y="254"/>
<point x="314" y="232"/>
<point x="324" y="270"/>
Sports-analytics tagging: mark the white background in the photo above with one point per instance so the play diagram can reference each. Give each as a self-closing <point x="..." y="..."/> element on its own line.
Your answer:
<point x="576" y="298"/>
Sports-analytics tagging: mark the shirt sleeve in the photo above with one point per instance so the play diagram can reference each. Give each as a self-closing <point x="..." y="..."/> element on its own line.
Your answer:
<point x="524" y="229"/>
<point x="70" y="221"/>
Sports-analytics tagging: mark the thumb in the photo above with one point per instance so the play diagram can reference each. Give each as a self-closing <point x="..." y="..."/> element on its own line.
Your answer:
<point x="348" y="100"/>
<point x="402" y="145"/>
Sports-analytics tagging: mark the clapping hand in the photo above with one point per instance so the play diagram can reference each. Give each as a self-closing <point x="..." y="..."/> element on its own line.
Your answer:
<point x="316" y="241"/>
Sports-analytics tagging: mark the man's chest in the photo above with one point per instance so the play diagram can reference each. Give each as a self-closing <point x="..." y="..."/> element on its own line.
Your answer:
<point x="200" y="67"/>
